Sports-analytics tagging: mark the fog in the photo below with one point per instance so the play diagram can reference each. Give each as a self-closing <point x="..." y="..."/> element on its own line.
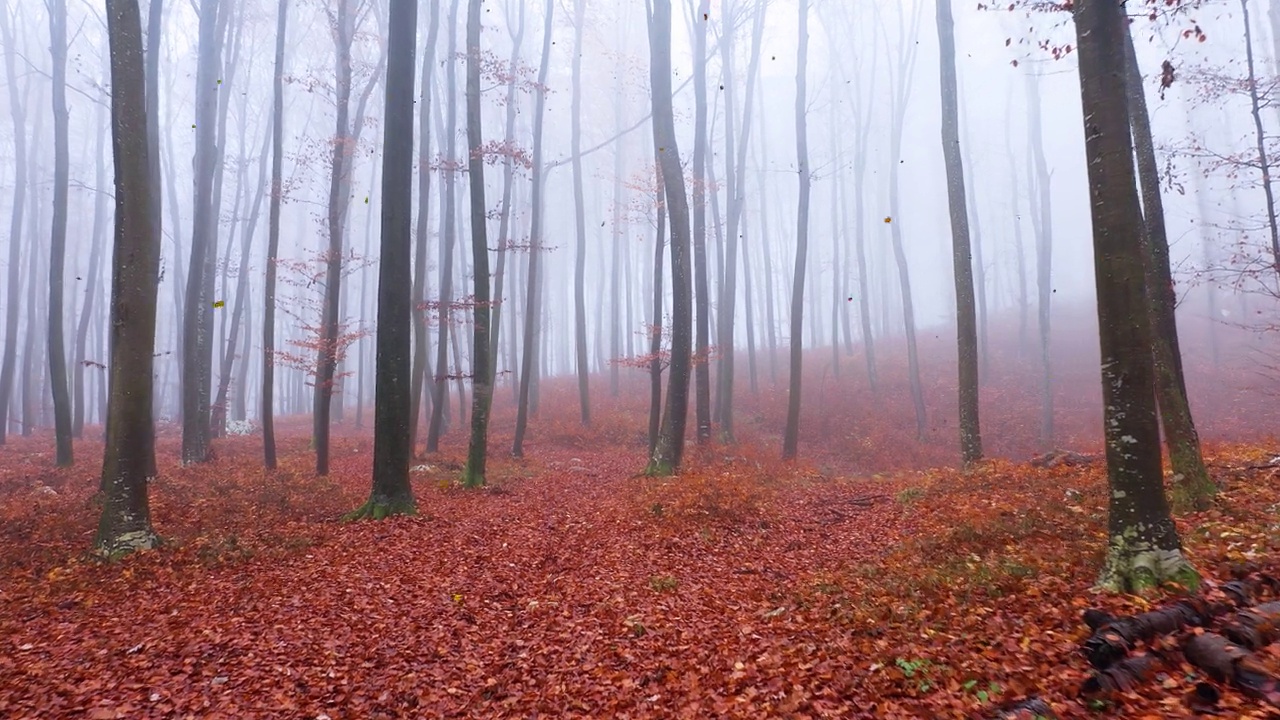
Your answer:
<point x="1010" y="64"/>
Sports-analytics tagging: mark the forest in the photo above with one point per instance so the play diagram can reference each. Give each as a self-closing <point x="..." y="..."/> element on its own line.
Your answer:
<point x="639" y="359"/>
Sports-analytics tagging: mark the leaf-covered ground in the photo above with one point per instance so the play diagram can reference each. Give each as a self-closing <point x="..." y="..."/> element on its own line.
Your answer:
<point x="572" y="588"/>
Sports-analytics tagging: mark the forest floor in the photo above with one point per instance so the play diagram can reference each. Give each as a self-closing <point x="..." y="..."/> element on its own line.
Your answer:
<point x="572" y="588"/>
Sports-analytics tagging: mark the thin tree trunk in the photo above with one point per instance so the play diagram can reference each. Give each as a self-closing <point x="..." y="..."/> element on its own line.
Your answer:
<point x="1264" y="162"/>
<point x="667" y="455"/>
<point x="791" y="436"/>
<point x="701" y="369"/>
<point x="58" y="243"/>
<point x="440" y="393"/>
<point x="532" y="294"/>
<point x="273" y="244"/>
<point x="580" y="223"/>
<point x="91" y="287"/>
<point x="481" y="355"/>
<point x="13" y="293"/>
<point x="962" y="260"/>
<point x="655" y="328"/>
<point x="421" y="340"/>
<point x="1042" y="212"/>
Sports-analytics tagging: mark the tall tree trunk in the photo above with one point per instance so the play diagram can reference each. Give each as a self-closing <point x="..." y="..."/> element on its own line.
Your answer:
<point x="91" y="287"/>
<point x="343" y="20"/>
<point x="1264" y="162"/>
<point x="273" y="244"/>
<point x="666" y="456"/>
<point x="735" y="185"/>
<point x="962" y="260"/>
<point x="1042" y="219"/>
<point x="392" y="441"/>
<point x="242" y="287"/>
<point x="13" y="293"/>
<point x="1024" y="302"/>
<point x="508" y="186"/>
<point x="901" y="92"/>
<point x="532" y="294"/>
<point x="791" y="436"/>
<point x="1144" y="546"/>
<point x="655" y="328"/>
<point x="125" y="524"/>
<point x="1192" y="486"/>
<point x="701" y="369"/>
<point x="58" y="243"/>
<point x="481" y="355"/>
<point x="421" y="339"/>
<point x="580" y="223"/>
<point x="440" y="392"/>
<point x="195" y="326"/>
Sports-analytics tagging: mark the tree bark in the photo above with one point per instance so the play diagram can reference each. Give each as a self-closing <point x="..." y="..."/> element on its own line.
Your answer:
<point x="273" y="244"/>
<point x="421" y="339"/>
<point x="65" y="455"/>
<point x="667" y="455"/>
<point x="701" y="368"/>
<point x="1144" y="548"/>
<point x="195" y="326"/>
<point x="481" y="354"/>
<point x="962" y="260"/>
<point x="125" y="524"/>
<point x="13" y="293"/>
<point x="1191" y="484"/>
<point x="580" y="223"/>
<point x="791" y="435"/>
<point x="440" y="391"/>
<point x="392" y="439"/>
<point x="528" y="358"/>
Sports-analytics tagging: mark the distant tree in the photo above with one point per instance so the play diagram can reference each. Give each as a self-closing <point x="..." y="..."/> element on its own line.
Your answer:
<point x="13" y="292"/>
<point x="197" y="324"/>
<point x="1041" y="201"/>
<point x="669" y="450"/>
<point x="91" y="292"/>
<point x="962" y="260"/>
<point x="125" y="525"/>
<point x="58" y="243"/>
<point x="421" y="339"/>
<point x="392" y="443"/>
<point x="579" y="221"/>
<point x="1144" y="548"/>
<point x="450" y="165"/>
<point x="791" y="436"/>
<point x="532" y="288"/>
<point x="481" y="355"/>
<point x="735" y="181"/>
<point x="702" y="303"/>
<point x="273" y="244"/>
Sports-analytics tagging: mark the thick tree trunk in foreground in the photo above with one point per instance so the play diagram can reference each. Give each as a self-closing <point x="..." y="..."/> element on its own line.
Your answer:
<point x="58" y="243"/>
<point x="273" y="245"/>
<point x="1191" y="484"/>
<point x="126" y="519"/>
<point x="392" y="442"/>
<point x="791" y="436"/>
<point x="1144" y="548"/>
<point x="481" y="352"/>
<point x="962" y="260"/>
<point x="666" y="456"/>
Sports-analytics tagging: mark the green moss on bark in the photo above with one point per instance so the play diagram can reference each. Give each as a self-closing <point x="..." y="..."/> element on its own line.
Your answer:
<point x="1136" y="567"/>
<point x="379" y="508"/>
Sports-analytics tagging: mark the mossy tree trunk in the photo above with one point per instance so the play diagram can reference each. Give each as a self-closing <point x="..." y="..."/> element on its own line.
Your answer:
<point x="1144" y="548"/>
<point x="1191" y="486"/>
